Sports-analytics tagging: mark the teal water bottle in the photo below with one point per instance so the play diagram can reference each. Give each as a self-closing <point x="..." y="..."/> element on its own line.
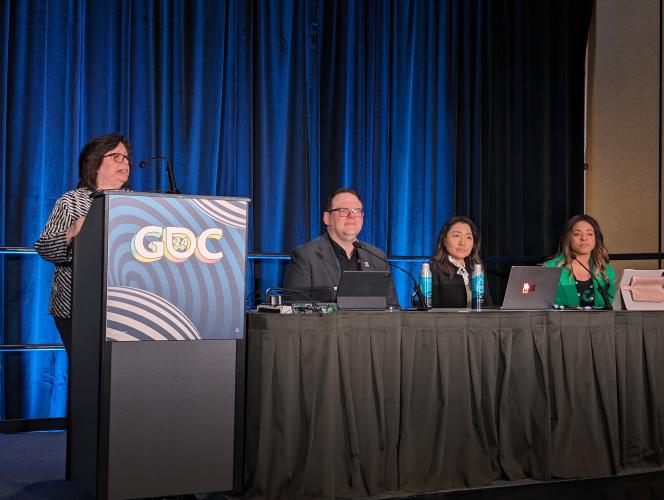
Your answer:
<point x="425" y="283"/>
<point x="477" y="286"/>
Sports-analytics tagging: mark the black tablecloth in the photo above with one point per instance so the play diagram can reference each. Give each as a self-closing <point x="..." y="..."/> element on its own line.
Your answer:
<point x="360" y="403"/>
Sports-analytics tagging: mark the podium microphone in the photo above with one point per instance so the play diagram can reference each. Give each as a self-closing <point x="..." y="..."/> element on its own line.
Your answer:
<point x="600" y="288"/>
<point x="169" y="172"/>
<point x="418" y="291"/>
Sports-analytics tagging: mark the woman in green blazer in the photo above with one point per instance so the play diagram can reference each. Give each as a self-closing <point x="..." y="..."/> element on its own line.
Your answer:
<point x="581" y="253"/>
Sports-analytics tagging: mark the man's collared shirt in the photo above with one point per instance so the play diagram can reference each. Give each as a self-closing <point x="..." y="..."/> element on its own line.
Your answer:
<point x="346" y="264"/>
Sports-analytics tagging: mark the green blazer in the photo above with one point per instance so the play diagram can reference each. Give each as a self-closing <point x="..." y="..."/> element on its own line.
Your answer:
<point x="567" y="294"/>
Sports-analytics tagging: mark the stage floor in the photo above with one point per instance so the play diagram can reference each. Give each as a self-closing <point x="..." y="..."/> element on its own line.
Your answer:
<point x="32" y="467"/>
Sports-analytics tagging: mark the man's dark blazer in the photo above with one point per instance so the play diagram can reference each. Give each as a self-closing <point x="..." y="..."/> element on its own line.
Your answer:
<point x="314" y="265"/>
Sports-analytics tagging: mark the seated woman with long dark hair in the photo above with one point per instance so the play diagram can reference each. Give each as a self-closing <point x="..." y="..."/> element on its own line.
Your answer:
<point x="457" y="251"/>
<point x="587" y="278"/>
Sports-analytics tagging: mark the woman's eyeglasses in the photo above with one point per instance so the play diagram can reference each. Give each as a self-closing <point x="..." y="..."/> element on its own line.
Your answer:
<point x="119" y="157"/>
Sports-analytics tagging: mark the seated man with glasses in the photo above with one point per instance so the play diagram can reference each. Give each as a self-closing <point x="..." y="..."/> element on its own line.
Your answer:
<point x="316" y="266"/>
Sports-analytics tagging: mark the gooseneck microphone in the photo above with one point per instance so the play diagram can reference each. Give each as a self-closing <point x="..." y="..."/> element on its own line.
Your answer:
<point x="418" y="291"/>
<point x="600" y="288"/>
<point x="169" y="172"/>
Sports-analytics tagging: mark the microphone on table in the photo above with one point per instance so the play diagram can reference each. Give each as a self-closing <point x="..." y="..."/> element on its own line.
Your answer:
<point x="169" y="172"/>
<point x="600" y="288"/>
<point x="418" y="291"/>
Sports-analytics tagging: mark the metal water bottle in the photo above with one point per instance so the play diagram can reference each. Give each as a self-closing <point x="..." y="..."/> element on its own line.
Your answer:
<point x="477" y="286"/>
<point x="425" y="283"/>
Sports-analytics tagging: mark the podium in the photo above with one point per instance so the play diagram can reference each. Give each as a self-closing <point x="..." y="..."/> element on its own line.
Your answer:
<point x="157" y="361"/>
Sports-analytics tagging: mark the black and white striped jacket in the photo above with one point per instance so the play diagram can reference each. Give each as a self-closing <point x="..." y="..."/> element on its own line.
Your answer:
<point x="52" y="246"/>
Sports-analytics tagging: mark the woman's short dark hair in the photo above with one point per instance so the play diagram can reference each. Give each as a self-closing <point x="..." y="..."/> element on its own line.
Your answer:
<point x="441" y="256"/>
<point x="92" y="155"/>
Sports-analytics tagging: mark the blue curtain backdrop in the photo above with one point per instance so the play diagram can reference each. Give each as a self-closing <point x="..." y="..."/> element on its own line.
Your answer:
<point x="428" y="108"/>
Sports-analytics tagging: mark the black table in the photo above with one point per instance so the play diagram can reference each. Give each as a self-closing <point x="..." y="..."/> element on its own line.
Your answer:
<point x="354" y="404"/>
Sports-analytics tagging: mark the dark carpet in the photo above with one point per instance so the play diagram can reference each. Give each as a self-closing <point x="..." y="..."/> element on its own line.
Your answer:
<point x="32" y="467"/>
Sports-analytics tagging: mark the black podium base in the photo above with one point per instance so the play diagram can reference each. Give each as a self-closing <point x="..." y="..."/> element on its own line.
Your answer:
<point x="165" y="424"/>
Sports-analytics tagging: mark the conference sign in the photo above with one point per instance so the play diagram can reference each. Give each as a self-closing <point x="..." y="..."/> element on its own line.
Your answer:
<point x="175" y="267"/>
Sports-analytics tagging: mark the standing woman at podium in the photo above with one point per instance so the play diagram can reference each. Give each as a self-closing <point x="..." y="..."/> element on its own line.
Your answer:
<point x="104" y="163"/>
<point x="587" y="278"/>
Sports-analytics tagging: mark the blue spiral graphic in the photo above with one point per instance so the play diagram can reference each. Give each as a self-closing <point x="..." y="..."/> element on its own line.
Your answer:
<point x="228" y="212"/>
<point x="134" y="314"/>
<point x="210" y="295"/>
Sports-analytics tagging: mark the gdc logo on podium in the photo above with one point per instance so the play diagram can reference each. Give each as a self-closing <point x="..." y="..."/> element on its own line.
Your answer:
<point x="177" y="244"/>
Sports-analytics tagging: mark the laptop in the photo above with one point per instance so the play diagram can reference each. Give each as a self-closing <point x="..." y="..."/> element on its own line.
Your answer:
<point x="363" y="290"/>
<point x="531" y="287"/>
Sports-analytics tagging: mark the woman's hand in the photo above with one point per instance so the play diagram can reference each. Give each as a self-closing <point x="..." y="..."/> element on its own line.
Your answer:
<point x="75" y="229"/>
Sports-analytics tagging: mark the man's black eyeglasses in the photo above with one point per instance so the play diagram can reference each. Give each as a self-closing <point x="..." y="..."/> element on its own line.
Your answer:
<point x="345" y="212"/>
